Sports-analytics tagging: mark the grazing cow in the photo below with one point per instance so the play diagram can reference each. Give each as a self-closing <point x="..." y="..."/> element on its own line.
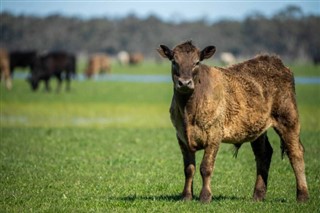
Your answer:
<point x="5" y="68"/>
<point x="98" y="63"/>
<point x="25" y="59"/>
<point x="58" y="64"/>
<point x="233" y="105"/>
<point x="135" y="58"/>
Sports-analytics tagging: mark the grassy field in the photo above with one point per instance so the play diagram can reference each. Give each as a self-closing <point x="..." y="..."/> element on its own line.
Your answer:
<point x="110" y="147"/>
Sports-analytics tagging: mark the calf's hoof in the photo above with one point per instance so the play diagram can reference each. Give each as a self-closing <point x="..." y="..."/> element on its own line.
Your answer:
<point x="205" y="196"/>
<point x="259" y="195"/>
<point x="186" y="196"/>
<point x="302" y="196"/>
<point x="258" y="199"/>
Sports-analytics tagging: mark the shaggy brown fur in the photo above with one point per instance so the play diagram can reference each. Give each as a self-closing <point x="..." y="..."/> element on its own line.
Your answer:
<point x="233" y="105"/>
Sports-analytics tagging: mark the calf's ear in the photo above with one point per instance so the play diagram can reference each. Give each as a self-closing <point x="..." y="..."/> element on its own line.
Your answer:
<point x="165" y="52"/>
<point x="207" y="52"/>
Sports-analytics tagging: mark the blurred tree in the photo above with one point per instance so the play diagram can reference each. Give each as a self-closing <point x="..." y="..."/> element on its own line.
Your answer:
<point x="289" y="33"/>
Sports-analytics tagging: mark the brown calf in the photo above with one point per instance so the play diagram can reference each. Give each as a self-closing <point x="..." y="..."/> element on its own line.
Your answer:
<point x="98" y="63"/>
<point x="233" y="105"/>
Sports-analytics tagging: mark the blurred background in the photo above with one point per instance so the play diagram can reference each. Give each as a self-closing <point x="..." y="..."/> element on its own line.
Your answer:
<point x="107" y="143"/>
<point x="244" y="29"/>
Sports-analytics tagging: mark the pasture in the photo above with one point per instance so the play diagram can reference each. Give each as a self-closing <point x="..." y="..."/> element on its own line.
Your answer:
<point x="110" y="147"/>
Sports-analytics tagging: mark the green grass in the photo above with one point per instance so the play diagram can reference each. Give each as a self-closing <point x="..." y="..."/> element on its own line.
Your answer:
<point x="305" y="69"/>
<point x="110" y="147"/>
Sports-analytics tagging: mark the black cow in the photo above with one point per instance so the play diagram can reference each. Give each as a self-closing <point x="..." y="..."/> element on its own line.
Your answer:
<point x="316" y="59"/>
<point x="59" y="64"/>
<point x="25" y="59"/>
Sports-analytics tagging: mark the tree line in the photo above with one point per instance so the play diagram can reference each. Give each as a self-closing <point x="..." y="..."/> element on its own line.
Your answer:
<point x="289" y="33"/>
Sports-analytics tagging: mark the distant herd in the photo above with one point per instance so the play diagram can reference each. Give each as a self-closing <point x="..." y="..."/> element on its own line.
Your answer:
<point x="61" y="65"/>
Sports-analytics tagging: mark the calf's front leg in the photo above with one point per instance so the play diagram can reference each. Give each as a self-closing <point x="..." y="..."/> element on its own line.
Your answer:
<point x="189" y="170"/>
<point x="206" y="169"/>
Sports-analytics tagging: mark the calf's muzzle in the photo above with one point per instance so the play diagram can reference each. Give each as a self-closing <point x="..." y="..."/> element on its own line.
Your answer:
<point x="184" y="85"/>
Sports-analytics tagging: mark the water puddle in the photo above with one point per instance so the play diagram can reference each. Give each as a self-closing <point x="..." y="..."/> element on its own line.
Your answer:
<point x="75" y="121"/>
<point x="88" y="121"/>
<point x="13" y="119"/>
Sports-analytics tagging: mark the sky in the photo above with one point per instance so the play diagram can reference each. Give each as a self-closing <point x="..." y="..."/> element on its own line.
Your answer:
<point x="167" y="10"/>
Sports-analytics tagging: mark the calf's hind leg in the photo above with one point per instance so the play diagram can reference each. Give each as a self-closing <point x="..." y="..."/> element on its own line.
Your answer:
<point x="294" y="149"/>
<point x="263" y="152"/>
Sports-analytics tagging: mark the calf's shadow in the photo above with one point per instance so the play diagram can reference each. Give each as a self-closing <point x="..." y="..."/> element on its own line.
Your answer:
<point x="174" y="198"/>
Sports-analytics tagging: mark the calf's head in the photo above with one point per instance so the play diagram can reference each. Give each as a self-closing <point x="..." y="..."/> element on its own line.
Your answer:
<point x="185" y="60"/>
